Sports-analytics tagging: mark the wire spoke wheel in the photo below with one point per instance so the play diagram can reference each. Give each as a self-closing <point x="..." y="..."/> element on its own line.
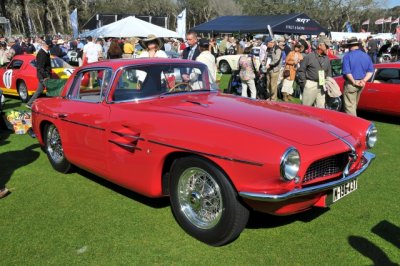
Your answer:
<point x="54" y="149"/>
<point x="200" y="198"/>
<point x="204" y="202"/>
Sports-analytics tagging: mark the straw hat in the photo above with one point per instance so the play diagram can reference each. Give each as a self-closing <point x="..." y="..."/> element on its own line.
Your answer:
<point x="352" y="41"/>
<point x="150" y="38"/>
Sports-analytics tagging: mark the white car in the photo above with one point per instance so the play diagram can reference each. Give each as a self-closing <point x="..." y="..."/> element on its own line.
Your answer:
<point x="229" y="63"/>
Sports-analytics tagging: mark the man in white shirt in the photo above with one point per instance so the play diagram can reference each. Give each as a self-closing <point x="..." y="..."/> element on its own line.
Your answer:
<point x="207" y="58"/>
<point x="91" y="51"/>
<point x="91" y="54"/>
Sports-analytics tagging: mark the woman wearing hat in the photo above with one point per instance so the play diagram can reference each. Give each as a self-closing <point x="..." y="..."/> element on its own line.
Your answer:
<point x="152" y="46"/>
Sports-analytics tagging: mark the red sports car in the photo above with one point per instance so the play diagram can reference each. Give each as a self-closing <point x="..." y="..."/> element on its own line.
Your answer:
<point x="381" y="93"/>
<point x="160" y="128"/>
<point x="19" y="78"/>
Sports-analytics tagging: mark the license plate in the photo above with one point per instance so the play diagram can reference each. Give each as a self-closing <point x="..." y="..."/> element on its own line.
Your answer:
<point x="343" y="190"/>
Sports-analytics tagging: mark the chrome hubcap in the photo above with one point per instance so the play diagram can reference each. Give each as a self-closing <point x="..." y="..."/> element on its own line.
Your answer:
<point x="200" y="198"/>
<point x="23" y="93"/>
<point x="54" y="146"/>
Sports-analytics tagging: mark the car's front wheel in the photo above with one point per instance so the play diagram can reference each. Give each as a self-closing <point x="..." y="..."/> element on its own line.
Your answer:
<point x="224" y="67"/>
<point x="54" y="149"/>
<point x="23" y="91"/>
<point x="205" y="203"/>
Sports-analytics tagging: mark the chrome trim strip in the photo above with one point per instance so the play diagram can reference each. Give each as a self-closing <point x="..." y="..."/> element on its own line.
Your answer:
<point x="207" y="154"/>
<point x="85" y="125"/>
<point x="126" y="135"/>
<point x="353" y="155"/>
<point x="308" y="190"/>
<point x="128" y="147"/>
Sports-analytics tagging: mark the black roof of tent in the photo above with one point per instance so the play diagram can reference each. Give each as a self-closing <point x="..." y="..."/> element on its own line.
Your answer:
<point x="290" y="24"/>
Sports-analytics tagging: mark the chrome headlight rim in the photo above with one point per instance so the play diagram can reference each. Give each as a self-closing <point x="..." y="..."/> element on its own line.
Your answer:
<point x="288" y="169"/>
<point x="371" y="136"/>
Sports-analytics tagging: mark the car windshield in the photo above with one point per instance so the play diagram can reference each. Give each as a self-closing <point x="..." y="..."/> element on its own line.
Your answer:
<point x="136" y="82"/>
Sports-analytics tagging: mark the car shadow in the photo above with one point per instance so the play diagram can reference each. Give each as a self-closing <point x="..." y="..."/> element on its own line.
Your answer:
<point x="263" y="220"/>
<point x="156" y="203"/>
<point x="15" y="160"/>
<point x="4" y="132"/>
<point x="391" y="119"/>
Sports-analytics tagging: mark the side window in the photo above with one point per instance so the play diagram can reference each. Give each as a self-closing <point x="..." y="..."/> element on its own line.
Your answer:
<point x="131" y="84"/>
<point x="91" y="85"/>
<point x="16" y="64"/>
<point x="387" y="75"/>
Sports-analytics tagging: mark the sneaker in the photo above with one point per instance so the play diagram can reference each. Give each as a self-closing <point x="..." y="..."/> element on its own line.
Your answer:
<point x="3" y="192"/>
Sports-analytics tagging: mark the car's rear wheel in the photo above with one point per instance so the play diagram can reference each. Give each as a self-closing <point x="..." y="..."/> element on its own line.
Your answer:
<point x="23" y="91"/>
<point x="205" y="203"/>
<point x="54" y="149"/>
<point x="224" y="67"/>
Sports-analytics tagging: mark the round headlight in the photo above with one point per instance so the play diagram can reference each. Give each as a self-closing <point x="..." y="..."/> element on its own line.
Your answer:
<point x="290" y="164"/>
<point x="372" y="136"/>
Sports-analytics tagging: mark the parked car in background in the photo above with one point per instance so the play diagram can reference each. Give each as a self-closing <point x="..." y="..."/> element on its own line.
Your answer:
<point x="73" y="57"/>
<point x="19" y="77"/>
<point x="229" y="63"/>
<point x="161" y="128"/>
<point x="382" y="92"/>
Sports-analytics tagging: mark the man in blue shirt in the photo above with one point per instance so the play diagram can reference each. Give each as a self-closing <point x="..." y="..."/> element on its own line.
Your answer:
<point x="357" y="70"/>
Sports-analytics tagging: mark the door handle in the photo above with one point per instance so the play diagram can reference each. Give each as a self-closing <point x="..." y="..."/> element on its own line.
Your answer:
<point x="62" y="115"/>
<point x="373" y="90"/>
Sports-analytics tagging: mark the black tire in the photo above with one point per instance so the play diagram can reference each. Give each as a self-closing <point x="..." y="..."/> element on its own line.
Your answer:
<point x="224" y="67"/>
<point x="204" y="202"/>
<point x="54" y="149"/>
<point x="23" y="91"/>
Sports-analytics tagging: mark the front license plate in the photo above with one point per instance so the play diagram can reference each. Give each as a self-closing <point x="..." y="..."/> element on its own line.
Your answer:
<point x="343" y="190"/>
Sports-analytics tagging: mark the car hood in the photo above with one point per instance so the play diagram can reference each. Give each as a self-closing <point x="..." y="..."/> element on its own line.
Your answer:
<point x="279" y="119"/>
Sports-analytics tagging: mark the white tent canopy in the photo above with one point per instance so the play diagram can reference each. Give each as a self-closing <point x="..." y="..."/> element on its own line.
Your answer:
<point x="340" y="36"/>
<point x="130" y="27"/>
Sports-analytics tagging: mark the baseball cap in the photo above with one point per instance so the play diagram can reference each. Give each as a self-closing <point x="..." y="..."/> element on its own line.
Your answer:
<point x="204" y="42"/>
<point x="268" y="39"/>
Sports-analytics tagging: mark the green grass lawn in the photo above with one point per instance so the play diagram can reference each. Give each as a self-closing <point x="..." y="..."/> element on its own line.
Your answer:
<point x="56" y="219"/>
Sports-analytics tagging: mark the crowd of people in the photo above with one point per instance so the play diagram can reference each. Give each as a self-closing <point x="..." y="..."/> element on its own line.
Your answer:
<point x="285" y="61"/>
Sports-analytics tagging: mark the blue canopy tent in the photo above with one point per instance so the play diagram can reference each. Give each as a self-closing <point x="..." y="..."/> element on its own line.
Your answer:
<point x="298" y="24"/>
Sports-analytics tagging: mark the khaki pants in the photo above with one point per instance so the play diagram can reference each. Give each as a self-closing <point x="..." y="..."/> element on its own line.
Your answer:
<point x="351" y="97"/>
<point x="272" y="84"/>
<point x="313" y="94"/>
<point x="251" y="85"/>
<point x="126" y="55"/>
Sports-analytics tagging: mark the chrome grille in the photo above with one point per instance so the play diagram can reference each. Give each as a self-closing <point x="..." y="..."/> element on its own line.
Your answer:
<point x="326" y="167"/>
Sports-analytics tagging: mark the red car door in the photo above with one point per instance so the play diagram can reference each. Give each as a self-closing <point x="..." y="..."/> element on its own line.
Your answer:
<point x="382" y="94"/>
<point x="84" y="119"/>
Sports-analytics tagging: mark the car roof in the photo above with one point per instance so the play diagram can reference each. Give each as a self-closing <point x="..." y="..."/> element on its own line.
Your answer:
<point x="117" y="63"/>
<point x="388" y="65"/>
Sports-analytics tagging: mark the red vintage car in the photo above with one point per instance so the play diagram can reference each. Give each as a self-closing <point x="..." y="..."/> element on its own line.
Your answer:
<point x="381" y="93"/>
<point x="160" y="128"/>
<point x="19" y="78"/>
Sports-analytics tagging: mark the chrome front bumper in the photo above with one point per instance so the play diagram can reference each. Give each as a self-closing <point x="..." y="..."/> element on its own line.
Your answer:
<point x="368" y="157"/>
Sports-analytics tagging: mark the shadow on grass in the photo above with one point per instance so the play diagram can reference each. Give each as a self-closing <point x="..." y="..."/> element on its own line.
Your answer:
<point x="156" y="203"/>
<point x="385" y="230"/>
<point x="12" y="102"/>
<point x="264" y="220"/>
<point x="15" y="160"/>
<point x="389" y="232"/>
<point x="379" y="117"/>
